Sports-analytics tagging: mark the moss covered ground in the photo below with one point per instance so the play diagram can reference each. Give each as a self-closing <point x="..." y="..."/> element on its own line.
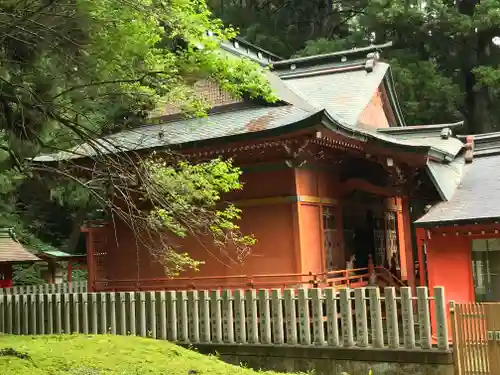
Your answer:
<point x="106" y="355"/>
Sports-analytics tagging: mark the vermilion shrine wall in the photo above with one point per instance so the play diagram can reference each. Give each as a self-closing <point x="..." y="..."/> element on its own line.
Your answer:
<point x="269" y="213"/>
<point x="449" y="263"/>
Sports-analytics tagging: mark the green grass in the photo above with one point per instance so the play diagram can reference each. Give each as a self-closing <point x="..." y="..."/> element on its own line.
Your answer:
<point x="108" y="355"/>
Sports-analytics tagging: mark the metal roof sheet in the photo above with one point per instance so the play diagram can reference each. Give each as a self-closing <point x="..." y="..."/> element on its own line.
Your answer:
<point x="343" y="94"/>
<point x="12" y="251"/>
<point x="476" y="197"/>
<point x="446" y="177"/>
<point x="215" y="126"/>
<point x="59" y="254"/>
<point x="449" y="147"/>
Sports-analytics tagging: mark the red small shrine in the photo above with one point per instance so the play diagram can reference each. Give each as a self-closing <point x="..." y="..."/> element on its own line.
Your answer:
<point x="11" y="253"/>
<point x="460" y="237"/>
<point x="54" y="258"/>
<point x="329" y="171"/>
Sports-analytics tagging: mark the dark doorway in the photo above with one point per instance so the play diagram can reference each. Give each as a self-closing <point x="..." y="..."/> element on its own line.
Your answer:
<point x="364" y="243"/>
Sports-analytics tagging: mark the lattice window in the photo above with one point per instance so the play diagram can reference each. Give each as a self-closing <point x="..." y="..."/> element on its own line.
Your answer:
<point x="100" y="255"/>
<point x="391" y="233"/>
<point x="380" y="240"/>
<point x="333" y="256"/>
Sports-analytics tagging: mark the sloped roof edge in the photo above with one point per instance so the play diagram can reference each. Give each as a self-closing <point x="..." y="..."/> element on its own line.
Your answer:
<point x="365" y="135"/>
<point x="241" y="48"/>
<point x="393" y="98"/>
<point x="412" y="129"/>
<point x="327" y="57"/>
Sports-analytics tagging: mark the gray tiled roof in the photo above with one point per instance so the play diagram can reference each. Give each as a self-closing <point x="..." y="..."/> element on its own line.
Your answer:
<point x="476" y="198"/>
<point x="215" y="126"/>
<point x="343" y="94"/>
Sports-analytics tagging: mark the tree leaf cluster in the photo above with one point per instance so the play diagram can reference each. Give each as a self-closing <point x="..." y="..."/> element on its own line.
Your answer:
<point x="72" y="71"/>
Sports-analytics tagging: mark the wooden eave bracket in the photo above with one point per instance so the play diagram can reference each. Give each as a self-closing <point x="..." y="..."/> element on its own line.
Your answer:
<point x="295" y="153"/>
<point x="469" y="148"/>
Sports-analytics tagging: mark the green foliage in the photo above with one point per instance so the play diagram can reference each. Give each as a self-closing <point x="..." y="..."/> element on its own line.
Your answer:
<point x="427" y="92"/>
<point x="186" y="200"/>
<point x="284" y="26"/>
<point x="27" y="275"/>
<point x="71" y="71"/>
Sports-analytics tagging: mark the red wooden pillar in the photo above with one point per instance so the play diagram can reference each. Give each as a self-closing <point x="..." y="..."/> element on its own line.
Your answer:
<point x="420" y="234"/>
<point x="70" y="271"/>
<point x="90" y="259"/>
<point x="405" y="242"/>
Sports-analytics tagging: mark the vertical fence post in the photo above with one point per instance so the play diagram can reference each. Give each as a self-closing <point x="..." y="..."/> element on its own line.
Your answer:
<point x="332" y="318"/>
<point x="25" y="314"/>
<point x="239" y="316"/>
<point x="41" y="313"/>
<point x="131" y="315"/>
<point x="424" y="320"/>
<point x="66" y="313"/>
<point x="163" y="315"/>
<point x="407" y="317"/>
<point x="346" y="317"/>
<point x="317" y="316"/>
<point x="103" y="313"/>
<point x="376" y="317"/>
<point x="264" y="317"/>
<point x="112" y="313"/>
<point x="2" y="313"/>
<point x="361" y="317"/>
<point x="457" y="350"/>
<point x="441" y="321"/>
<point x="227" y="317"/>
<point x="75" y="308"/>
<point x="151" y="317"/>
<point x="58" y="314"/>
<point x="252" y="319"/>
<point x="290" y="317"/>
<point x="143" y="330"/>
<point x="171" y="316"/>
<point x="216" y="316"/>
<point x="391" y="312"/>
<point x="204" y="302"/>
<point x="17" y="314"/>
<point x="304" y="320"/>
<point x="50" y="314"/>
<point x="122" y="297"/>
<point x="277" y="318"/>
<point x="194" y="317"/>
<point x="9" y="320"/>
<point x="183" y="316"/>
<point x="94" y="315"/>
<point x="33" y="314"/>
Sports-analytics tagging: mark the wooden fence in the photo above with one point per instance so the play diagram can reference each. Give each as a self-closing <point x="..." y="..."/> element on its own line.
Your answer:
<point x="75" y="287"/>
<point x="475" y="328"/>
<point x="349" y="318"/>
